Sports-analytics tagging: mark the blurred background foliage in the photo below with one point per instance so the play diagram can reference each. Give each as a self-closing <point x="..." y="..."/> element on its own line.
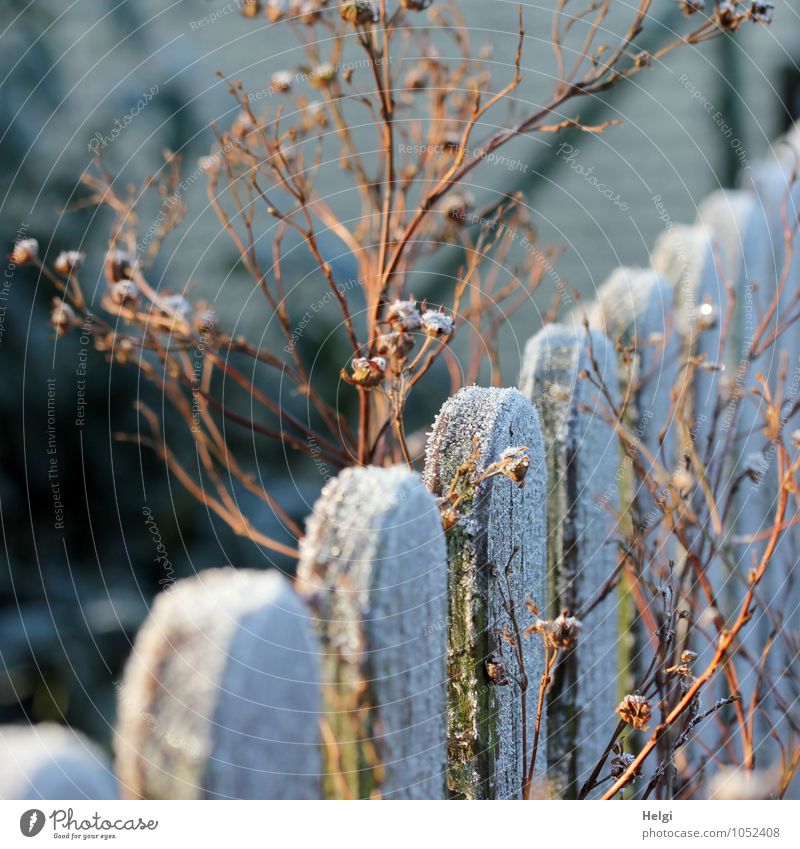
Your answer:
<point x="72" y="598"/>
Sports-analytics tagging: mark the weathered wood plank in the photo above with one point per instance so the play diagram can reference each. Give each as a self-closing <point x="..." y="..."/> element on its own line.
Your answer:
<point x="220" y="697"/>
<point x="488" y="750"/>
<point x="373" y="568"/>
<point x="583" y="455"/>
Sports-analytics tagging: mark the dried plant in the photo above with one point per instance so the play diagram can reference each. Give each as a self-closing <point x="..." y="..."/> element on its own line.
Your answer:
<point x="262" y="178"/>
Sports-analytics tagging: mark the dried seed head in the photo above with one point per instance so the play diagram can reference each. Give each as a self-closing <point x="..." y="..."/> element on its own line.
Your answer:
<point x="707" y="316"/>
<point x="496" y="671"/>
<point x="62" y="317"/>
<point x="243" y="125"/>
<point x="756" y="466"/>
<point x="359" y="12"/>
<point x="308" y="11"/>
<point x="688" y="656"/>
<point x="118" y="266"/>
<point x="690" y="7"/>
<point x="174" y="306"/>
<point x="367" y="373"/>
<point x="323" y="76"/>
<point x="276" y="9"/>
<point x="458" y="206"/>
<point x="728" y="15"/>
<point x="403" y="315"/>
<point x="635" y="710"/>
<point x="394" y="345"/>
<point x="282" y="80"/>
<point x="25" y="251"/>
<point x="123" y="294"/>
<point x="68" y="262"/>
<point x="204" y="319"/>
<point x="559" y="633"/>
<point x="620" y="764"/>
<point x="437" y="324"/>
<point x="683" y="479"/>
<point x="514" y="463"/>
<point x="417" y="78"/>
<point x="761" y="11"/>
<point x="122" y="351"/>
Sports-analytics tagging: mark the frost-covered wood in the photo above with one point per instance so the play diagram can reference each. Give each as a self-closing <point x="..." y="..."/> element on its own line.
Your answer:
<point x="49" y="761"/>
<point x="739" y="226"/>
<point x="485" y="736"/>
<point x="778" y="194"/>
<point x="221" y="697"/>
<point x="373" y="568"/>
<point x="685" y="257"/>
<point x="583" y="453"/>
<point x="636" y="307"/>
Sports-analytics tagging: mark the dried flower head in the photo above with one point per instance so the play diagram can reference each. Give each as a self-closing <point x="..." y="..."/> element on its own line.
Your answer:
<point x="559" y="633"/>
<point x="436" y="324"/>
<point x="62" y="317"/>
<point x="403" y="315"/>
<point x="682" y="480"/>
<point x="174" y="306"/>
<point x="496" y="671"/>
<point x="394" y="345"/>
<point x="514" y="463"/>
<point x="756" y="466"/>
<point x="761" y="11"/>
<point x="204" y="319"/>
<point x="282" y="80"/>
<point x="276" y="9"/>
<point x="118" y="266"/>
<point x="367" y="372"/>
<point x="323" y="75"/>
<point x="68" y="262"/>
<point x="458" y="206"/>
<point x="308" y="11"/>
<point x="25" y="251"/>
<point x="417" y="78"/>
<point x="728" y="15"/>
<point x="635" y="710"/>
<point x="620" y="764"/>
<point x="688" y="656"/>
<point x="243" y="125"/>
<point x="359" y="12"/>
<point x="123" y="294"/>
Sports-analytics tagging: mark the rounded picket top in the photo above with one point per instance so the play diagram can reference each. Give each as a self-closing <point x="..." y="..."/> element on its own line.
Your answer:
<point x="50" y="761"/>
<point x="501" y="524"/>
<point x="220" y="698"/>
<point x="373" y="569"/>
<point x="562" y="367"/>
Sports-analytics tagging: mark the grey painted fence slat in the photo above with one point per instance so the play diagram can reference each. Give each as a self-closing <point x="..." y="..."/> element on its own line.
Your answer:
<point x="771" y="181"/>
<point x="636" y="307"/>
<point x="50" y="761"/>
<point x="738" y="225"/>
<point x="220" y="698"/>
<point x="583" y="458"/>
<point x="373" y="568"/>
<point x="484" y="720"/>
